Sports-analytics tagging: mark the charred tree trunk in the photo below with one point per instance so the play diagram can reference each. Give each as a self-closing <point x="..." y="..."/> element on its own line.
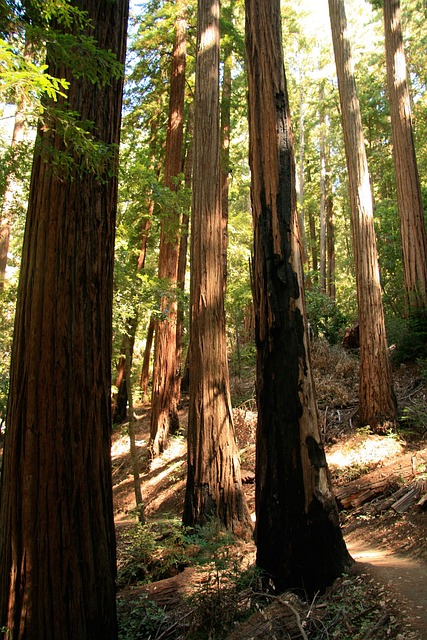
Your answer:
<point x="214" y="487"/>
<point x="57" y="539"/>
<point x="299" y="541"/>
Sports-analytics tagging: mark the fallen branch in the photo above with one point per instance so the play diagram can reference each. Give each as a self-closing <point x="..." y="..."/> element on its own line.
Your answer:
<point x="380" y="623"/>
<point x="290" y="607"/>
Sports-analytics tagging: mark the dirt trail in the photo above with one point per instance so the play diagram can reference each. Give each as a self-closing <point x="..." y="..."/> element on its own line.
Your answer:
<point x="405" y="578"/>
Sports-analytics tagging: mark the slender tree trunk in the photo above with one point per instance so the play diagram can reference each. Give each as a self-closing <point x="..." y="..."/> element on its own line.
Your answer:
<point x="301" y="178"/>
<point x="322" y="151"/>
<point x="10" y="193"/>
<point x="313" y="243"/>
<point x="377" y="403"/>
<point x="225" y="122"/>
<point x="330" y="233"/>
<point x="299" y="541"/>
<point x="57" y="541"/>
<point x="182" y="260"/>
<point x="145" y="371"/>
<point x="214" y="487"/>
<point x="409" y="200"/>
<point x="164" y="404"/>
<point x="132" y="440"/>
<point x="120" y="397"/>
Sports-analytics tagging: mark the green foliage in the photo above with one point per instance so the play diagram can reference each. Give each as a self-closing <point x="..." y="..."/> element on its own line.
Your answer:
<point x="326" y="318"/>
<point x="139" y="619"/>
<point x="409" y="337"/>
<point x="153" y="552"/>
<point x="82" y="152"/>
<point x="162" y="549"/>
<point x="25" y="77"/>
<point x="7" y="315"/>
<point x="414" y="417"/>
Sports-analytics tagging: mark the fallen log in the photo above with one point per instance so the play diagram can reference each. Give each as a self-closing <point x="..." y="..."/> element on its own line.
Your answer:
<point x="280" y="620"/>
<point x="406" y="501"/>
<point x="384" y="480"/>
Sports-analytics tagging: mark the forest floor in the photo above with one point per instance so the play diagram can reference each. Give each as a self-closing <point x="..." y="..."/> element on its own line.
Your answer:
<point x="198" y="587"/>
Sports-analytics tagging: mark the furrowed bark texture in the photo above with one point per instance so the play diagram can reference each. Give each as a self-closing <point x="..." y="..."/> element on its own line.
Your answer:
<point x="164" y="410"/>
<point x="214" y="486"/>
<point x="299" y="542"/>
<point x="57" y="542"/>
<point x="409" y="199"/>
<point x="377" y="403"/>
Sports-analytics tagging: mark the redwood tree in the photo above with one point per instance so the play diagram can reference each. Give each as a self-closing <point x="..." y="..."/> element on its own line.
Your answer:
<point x="377" y="403"/>
<point x="214" y="487"/>
<point x="164" y="412"/>
<point x="299" y="541"/>
<point x="57" y="542"/>
<point x="409" y="199"/>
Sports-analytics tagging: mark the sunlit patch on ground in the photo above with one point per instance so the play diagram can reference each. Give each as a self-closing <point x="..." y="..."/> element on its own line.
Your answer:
<point x="367" y="450"/>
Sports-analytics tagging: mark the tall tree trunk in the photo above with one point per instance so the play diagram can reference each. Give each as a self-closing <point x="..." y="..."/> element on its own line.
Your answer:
<point x="225" y="123"/>
<point x="301" y="178"/>
<point x="299" y="541"/>
<point x="121" y="395"/>
<point x="322" y="152"/>
<point x="313" y="243"/>
<point x="377" y="403"/>
<point x="214" y="487"/>
<point x="10" y="193"/>
<point x="182" y="259"/>
<point x="57" y="542"/>
<point x="330" y="233"/>
<point x="409" y="200"/>
<point x="145" y="371"/>
<point x="132" y="440"/>
<point x="164" y="410"/>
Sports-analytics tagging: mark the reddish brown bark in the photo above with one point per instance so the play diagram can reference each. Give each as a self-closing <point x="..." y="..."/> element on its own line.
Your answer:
<point x="409" y="199"/>
<point x="225" y="124"/>
<point x="57" y="540"/>
<point x="299" y="542"/>
<point x="214" y="488"/>
<point x="164" y="412"/>
<point x="377" y="403"/>
<point x="145" y="371"/>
